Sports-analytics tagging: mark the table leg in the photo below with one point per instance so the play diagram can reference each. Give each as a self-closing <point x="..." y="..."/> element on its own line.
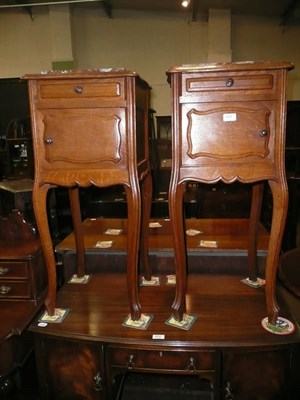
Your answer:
<point x="146" y="186"/>
<point x="257" y="195"/>
<point x="40" y="209"/>
<point x="280" y="203"/>
<point x="176" y="194"/>
<point x="133" y="241"/>
<point x="78" y="230"/>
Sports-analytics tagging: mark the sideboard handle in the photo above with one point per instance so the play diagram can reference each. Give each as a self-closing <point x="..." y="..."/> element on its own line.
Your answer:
<point x="130" y="363"/>
<point x="191" y="366"/>
<point x="228" y="394"/>
<point x="3" y="270"/>
<point x="98" y="382"/>
<point x="5" y="289"/>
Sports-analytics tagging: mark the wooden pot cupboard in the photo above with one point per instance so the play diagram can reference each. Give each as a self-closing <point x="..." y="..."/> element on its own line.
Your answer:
<point x="229" y="125"/>
<point x="90" y="128"/>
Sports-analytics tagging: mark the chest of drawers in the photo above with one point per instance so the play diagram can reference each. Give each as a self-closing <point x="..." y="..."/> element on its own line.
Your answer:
<point x="22" y="272"/>
<point x="229" y="125"/>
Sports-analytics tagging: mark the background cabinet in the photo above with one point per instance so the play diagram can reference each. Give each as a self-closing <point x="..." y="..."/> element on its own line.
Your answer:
<point x="23" y="286"/>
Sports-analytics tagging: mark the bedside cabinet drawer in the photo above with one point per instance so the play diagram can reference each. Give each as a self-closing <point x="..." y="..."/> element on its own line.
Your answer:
<point x="256" y="86"/>
<point x="13" y="270"/>
<point x="68" y="94"/>
<point x="174" y="360"/>
<point x="14" y="290"/>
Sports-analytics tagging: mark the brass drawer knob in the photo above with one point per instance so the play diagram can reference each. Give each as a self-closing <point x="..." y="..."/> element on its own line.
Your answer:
<point x="3" y="270"/>
<point x="229" y="82"/>
<point x="5" y="289"/>
<point x="78" y="89"/>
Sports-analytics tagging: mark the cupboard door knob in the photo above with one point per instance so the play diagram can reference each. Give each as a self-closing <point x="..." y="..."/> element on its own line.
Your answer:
<point x="3" y="270"/>
<point x="130" y="363"/>
<point x="48" y="140"/>
<point x="78" y="89"/>
<point x="263" y="133"/>
<point x="98" y="382"/>
<point x="5" y="289"/>
<point x="191" y="366"/>
<point x="229" y="82"/>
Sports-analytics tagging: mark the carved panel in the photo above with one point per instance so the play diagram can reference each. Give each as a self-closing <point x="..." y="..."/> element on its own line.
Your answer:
<point x="64" y="133"/>
<point x="228" y="133"/>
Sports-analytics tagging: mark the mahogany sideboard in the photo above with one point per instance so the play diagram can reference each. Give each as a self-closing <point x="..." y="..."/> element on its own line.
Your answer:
<point x="228" y="124"/>
<point x="225" y="355"/>
<point x="91" y="128"/>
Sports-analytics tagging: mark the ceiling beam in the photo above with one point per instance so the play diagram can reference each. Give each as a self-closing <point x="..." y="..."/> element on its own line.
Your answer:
<point x="106" y="5"/>
<point x="47" y="3"/>
<point x="194" y="10"/>
<point x="288" y="13"/>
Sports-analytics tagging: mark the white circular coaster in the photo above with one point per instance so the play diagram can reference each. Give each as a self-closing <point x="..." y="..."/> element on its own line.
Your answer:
<point x="282" y="326"/>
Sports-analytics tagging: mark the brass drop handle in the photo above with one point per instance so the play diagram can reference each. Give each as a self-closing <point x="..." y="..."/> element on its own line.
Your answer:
<point x="5" y="289"/>
<point x="3" y="270"/>
<point x="191" y="366"/>
<point x="78" y="89"/>
<point x="98" y="382"/>
<point x="263" y="133"/>
<point x="228" y="394"/>
<point x="48" y="140"/>
<point x="229" y="82"/>
<point x="130" y="363"/>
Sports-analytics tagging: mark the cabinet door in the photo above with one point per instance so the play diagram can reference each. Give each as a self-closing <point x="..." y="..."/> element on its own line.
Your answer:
<point x="229" y="140"/>
<point x="69" y="370"/>
<point x="256" y="375"/>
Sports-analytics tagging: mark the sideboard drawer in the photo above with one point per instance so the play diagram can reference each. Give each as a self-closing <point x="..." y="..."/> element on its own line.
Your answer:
<point x="14" y="289"/>
<point x="176" y="360"/>
<point x="93" y="92"/>
<point x="13" y="270"/>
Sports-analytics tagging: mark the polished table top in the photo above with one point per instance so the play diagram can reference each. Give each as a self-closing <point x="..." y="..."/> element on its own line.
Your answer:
<point x="228" y="312"/>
